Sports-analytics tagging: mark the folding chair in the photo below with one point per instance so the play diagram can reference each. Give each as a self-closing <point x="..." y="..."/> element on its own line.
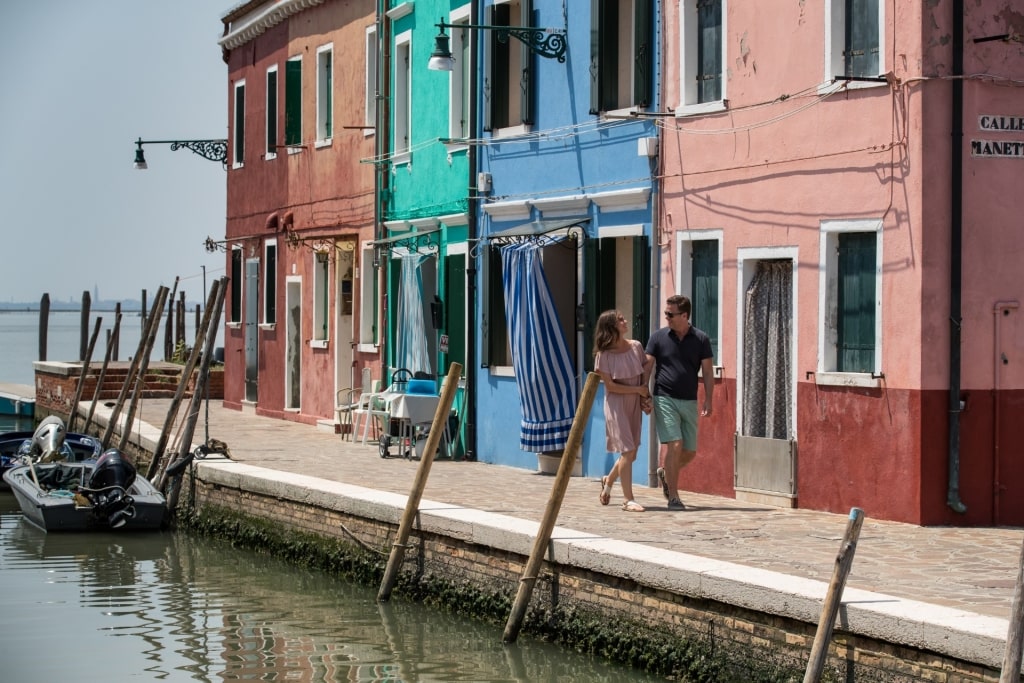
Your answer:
<point x="353" y="402"/>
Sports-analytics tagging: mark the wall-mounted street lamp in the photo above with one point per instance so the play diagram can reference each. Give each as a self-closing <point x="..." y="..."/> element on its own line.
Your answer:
<point x="546" y="42"/>
<point x="214" y="150"/>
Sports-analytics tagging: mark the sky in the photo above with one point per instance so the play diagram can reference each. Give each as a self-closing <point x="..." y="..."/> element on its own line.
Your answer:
<point x="82" y="80"/>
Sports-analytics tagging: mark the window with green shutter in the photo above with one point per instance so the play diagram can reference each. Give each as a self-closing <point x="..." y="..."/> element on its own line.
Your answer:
<point x="709" y="50"/>
<point x="293" y="101"/>
<point x="238" y="149"/>
<point x="616" y="272"/>
<point x="271" y="112"/>
<point x="860" y="51"/>
<point x="611" y="54"/>
<point x="856" y="265"/>
<point x="704" y="289"/>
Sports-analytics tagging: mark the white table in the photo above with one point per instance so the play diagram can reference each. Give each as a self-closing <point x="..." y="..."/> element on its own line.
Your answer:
<point x="411" y="411"/>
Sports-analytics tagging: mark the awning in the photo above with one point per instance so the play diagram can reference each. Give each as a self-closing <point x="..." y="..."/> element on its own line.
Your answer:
<point x="537" y="228"/>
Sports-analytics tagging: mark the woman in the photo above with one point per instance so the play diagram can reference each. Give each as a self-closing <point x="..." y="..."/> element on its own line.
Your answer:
<point x="625" y="369"/>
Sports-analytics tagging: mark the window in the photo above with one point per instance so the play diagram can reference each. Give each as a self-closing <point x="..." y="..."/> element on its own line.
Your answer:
<point x="271" y="150"/>
<point x="616" y="270"/>
<point x="700" y="266"/>
<point x="238" y="146"/>
<point x="370" y="119"/>
<point x="270" y="282"/>
<point x="458" y="94"/>
<point x="236" y="285"/>
<point x="507" y="92"/>
<point x="321" y="291"/>
<point x="703" y="55"/>
<point x="369" y="298"/>
<point x="850" y="337"/>
<point x="853" y="37"/>
<point x="324" y="94"/>
<point x="621" y="54"/>
<point x="293" y="101"/>
<point x="403" y="95"/>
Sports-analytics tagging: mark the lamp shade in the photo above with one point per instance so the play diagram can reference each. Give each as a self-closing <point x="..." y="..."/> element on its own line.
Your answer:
<point x="441" y="57"/>
<point x="140" y="159"/>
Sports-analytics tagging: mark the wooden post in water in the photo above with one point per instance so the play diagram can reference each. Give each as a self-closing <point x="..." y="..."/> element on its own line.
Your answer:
<point x="117" y="320"/>
<point x="84" y="329"/>
<point x="44" y="323"/>
<point x="179" y="329"/>
<point x="144" y="309"/>
<point x="834" y="597"/>
<point x="543" y="540"/>
<point x="169" y="326"/>
<point x="111" y="345"/>
<point x="73" y="412"/>
<point x="412" y="505"/>
<point x="140" y="377"/>
<point x="1010" y="672"/>
<point x="186" y="375"/>
<point x="115" y="413"/>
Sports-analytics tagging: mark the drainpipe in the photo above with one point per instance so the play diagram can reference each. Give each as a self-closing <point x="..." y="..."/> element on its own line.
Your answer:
<point x="380" y="167"/>
<point x="955" y="257"/>
<point x="471" y="251"/>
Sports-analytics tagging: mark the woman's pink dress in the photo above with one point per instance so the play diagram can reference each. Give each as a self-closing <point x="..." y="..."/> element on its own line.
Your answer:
<point x="622" y="411"/>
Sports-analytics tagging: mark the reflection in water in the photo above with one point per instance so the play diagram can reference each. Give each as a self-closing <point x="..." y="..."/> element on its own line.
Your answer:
<point x="166" y="606"/>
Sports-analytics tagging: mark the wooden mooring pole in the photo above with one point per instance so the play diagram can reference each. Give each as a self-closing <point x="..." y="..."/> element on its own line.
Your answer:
<point x="143" y="368"/>
<point x="44" y="324"/>
<point x="834" y="597"/>
<point x="84" y="325"/>
<point x="412" y="505"/>
<point x="87" y="358"/>
<point x="111" y="346"/>
<point x="547" y="525"/>
<point x="1010" y="671"/>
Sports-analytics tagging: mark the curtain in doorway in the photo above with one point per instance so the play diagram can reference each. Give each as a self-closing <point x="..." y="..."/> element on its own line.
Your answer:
<point x="413" y="352"/>
<point x="767" y="346"/>
<point x="540" y="354"/>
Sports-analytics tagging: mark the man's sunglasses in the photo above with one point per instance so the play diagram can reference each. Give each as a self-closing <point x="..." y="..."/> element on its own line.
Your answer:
<point x="670" y="314"/>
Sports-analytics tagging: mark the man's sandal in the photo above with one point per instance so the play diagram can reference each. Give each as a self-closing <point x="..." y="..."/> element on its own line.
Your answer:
<point x="632" y="506"/>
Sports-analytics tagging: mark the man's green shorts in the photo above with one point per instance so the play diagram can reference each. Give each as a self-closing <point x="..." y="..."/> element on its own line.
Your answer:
<point x="676" y="420"/>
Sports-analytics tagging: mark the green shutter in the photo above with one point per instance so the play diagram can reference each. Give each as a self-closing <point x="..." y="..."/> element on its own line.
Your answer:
<point x="643" y="59"/>
<point x="526" y="87"/>
<point x="240" y="124"/>
<point x="641" y="324"/>
<point x="494" y="332"/>
<point x="455" y="308"/>
<point x="704" y="291"/>
<point x="293" y="102"/>
<point x="599" y="273"/>
<point x="499" y="71"/>
<point x="271" y="112"/>
<point x="329" y="95"/>
<point x="596" y="7"/>
<point x="709" y="50"/>
<point x="855" y="350"/>
<point x="861" y="48"/>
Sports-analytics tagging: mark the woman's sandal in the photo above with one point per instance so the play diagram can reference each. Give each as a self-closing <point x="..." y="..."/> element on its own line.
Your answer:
<point x="632" y="506"/>
<point x="606" y="492"/>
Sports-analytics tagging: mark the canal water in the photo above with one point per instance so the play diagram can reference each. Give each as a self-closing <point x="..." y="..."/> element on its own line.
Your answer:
<point x="173" y="607"/>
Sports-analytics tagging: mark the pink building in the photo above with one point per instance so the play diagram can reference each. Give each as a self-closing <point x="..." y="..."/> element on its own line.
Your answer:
<point x="854" y="268"/>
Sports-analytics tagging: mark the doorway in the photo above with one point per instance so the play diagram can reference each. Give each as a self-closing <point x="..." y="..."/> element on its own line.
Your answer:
<point x="252" y="288"/>
<point x="293" y="344"/>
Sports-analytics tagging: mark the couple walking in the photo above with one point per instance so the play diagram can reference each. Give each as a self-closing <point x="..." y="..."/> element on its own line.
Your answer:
<point x="676" y="353"/>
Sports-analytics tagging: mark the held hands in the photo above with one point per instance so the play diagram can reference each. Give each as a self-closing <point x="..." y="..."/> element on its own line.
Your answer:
<point x="646" y="403"/>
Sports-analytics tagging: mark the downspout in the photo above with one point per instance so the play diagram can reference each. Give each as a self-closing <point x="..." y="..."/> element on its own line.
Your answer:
<point x="657" y="206"/>
<point x="471" y="252"/>
<point x="955" y="258"/>
<point x="380" y="173"/>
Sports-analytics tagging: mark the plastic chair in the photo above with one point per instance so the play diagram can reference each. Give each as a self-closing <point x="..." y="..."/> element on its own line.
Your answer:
<point x="352" y="402"/>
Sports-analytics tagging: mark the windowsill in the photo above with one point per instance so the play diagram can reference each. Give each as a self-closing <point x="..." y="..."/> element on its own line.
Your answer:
<point x="684" y="110"/>
<point x="398" y="158"/>
<point x="294" y="149"/>
<point x="454" y="147"/>
<point x="237" y="165"/>
<point x="847" y="379"/>
<point x="323" y="143"/>
<point x="367" y="132"/>
<point x="269" y="156"/>
<point x="502" y="371"/>
<point x="366" y="348"/>
<point x="511" y="131"/>
<point x="268" y="326"/>
<point x="837" y="84"/>
<point x="233" y="326"/>
<point x="619" y="114"/>
<point x="318" y="343"/>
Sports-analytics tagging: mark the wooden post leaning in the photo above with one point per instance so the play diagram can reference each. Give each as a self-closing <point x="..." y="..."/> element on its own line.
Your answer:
<point x="543" y="540"/>
<point x="437" y="427"/>
<point x="111" y="346"/>
<point x="73" y="411"/>
<point x="115" y="412"/>
<point x="186" y="375"/>
<point x="143" y="367"/>
<point x="1010" y="670"/>
<point x="834" y="597"/>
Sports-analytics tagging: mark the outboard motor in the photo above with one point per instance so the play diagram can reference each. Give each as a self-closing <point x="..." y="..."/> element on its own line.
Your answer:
<point x="108" y="489"/>
<point x="48" y="439"/>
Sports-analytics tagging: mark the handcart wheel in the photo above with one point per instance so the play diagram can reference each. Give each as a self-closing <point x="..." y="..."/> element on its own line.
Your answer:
<point x="384" y="445"/>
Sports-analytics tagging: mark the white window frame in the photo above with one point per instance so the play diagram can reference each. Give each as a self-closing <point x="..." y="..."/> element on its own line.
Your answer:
<point x="369" y="304"/>
<point x="828" y="288"/>
<point x="321" y="333"/>
<point x="458" y="84"/>
<point x="268" y="277"/>
<point x="835" y="29"/>
<point x="324" y="95"/>
<point x="688" y="60"/>
<point x="370" y="112"/>
<point x="403" y="98"/>
<point x="271" y="151"/>
<point x="238" y="141"/>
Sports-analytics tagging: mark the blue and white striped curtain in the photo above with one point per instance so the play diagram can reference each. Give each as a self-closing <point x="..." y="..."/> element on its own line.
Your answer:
<point x="540" y="354"/>
<point x="413" y="352"/>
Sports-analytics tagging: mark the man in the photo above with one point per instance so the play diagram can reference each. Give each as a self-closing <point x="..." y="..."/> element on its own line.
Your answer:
<point x="680" y="351"/>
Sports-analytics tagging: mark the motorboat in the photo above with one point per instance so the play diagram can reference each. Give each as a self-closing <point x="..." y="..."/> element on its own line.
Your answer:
<point x="16" y="447"/>
<point x="92" y="494"/>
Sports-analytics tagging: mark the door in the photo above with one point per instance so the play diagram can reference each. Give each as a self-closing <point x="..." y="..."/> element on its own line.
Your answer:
<point x="252" y="288"/>
<point x="293" y="344"/>
<point x="344" y="375"/>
